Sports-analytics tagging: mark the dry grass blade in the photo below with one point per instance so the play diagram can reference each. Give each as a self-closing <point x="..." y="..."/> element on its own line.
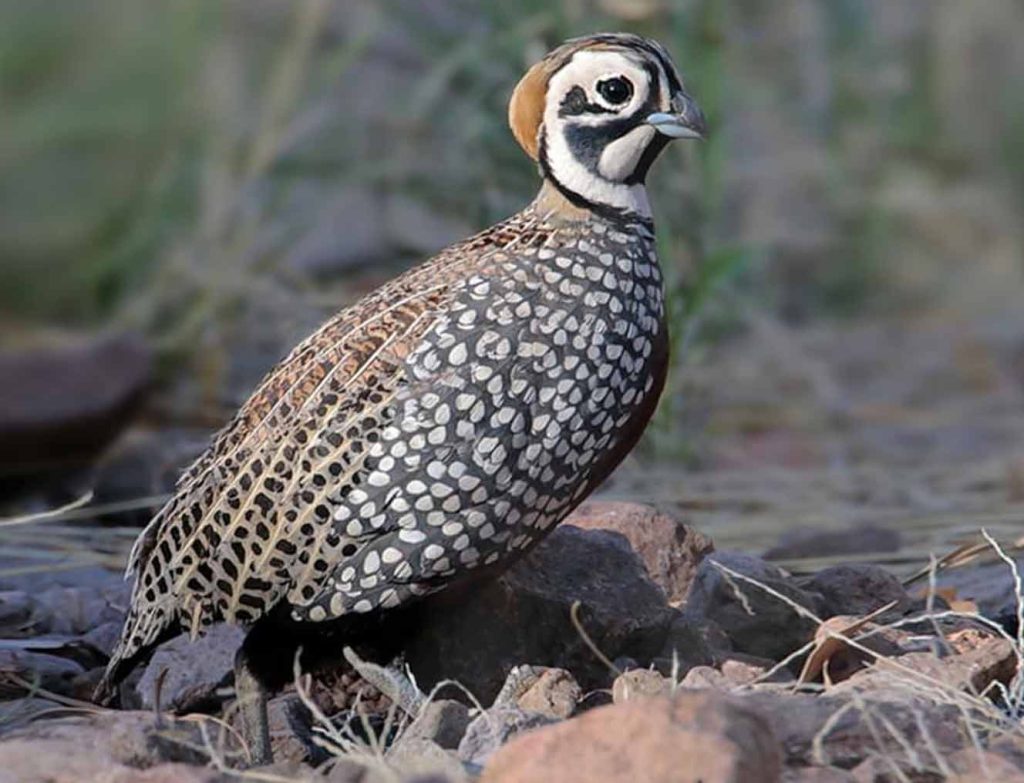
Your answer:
<point x="56" y="513"/>
<point x="964" y="555"/>
<point x="574" y="615"/>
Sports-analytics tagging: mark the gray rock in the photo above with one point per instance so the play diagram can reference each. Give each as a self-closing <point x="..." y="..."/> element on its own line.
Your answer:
<point x="101" y="382"/>
<point x="443" y="721"/>
<point x="18" y="712"/>
<point x="756" y="622"/>
<point x="419" y="759"/>
<point x="989" y="586"/>
<point x="692" y="642"/>
<point x="493" y="728"/>
<point x="844" y="739"/>
<point x="79" y="610"/>
<point x="15" y="611"/>
<point x="290" y="725"/>
<point x="106" y="746"/>
<point x="36" y="668"/>
<point x="103" y="637"/>
<point x="476" y="637"/>
<point x="857" y="590"/>
<point x="194" y="670"/>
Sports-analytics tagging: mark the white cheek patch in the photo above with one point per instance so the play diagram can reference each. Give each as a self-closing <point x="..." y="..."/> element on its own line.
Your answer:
<point x="620" y="158"/>
<point x="574" y="176"/>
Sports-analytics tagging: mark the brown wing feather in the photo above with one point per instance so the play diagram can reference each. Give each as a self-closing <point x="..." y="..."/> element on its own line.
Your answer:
<point x="249" y="520"/>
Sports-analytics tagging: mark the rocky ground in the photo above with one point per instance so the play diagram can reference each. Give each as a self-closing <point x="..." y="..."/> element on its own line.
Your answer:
<point x="625" y="648"/>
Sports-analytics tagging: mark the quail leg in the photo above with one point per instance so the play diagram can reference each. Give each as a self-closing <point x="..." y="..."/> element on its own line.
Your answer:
<point x="251" y="697"/>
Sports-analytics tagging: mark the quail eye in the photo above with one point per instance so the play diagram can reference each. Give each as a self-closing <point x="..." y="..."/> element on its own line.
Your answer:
<point x="616" y="90"/>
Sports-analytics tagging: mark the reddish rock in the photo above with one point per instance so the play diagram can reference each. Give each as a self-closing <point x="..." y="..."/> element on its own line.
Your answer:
<point x="733" y="673"/>
<point x="555" y="694"/>
<point x="639" y="684"/>
<point x="972" y="764"/>
<point x="979" y="659"/>
<point x="690" y="737"/>
<point x="670" y="549"/>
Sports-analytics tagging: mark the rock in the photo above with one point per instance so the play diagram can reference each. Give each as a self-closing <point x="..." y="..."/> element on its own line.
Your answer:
<point x="877" y="769"/>
<point x="555" y="694"/>
<point x="50" y="672"/>
<point x="65" y="403"/>
<point x="866" y="539"/>
<point x="1010" y="747"/>
<point x="693" y="736"/>
<point x="978" y="660"/>
<point x="194" y="670"/>
<point x="443" y="721"/>
<point x="79" y="610"/>
<point x="756" y="622"/>
<point x="732" y="674"/>
<point x="419" y="759"/>
<point x="17" y="712"/>
<point x="115" y="746"/>
<point x="746" y="670"/>
<point x="990" y="587"/>
<point x="834" y="657"/>
<point x="83" y="686"/>
<point x="671" y="550"/>
<point x="492" y="729"/>
<point x="104" y="637"/>
<point x="973" y="764"/>
<point x="15" y="611"/>
<point x="290" y="724"/>
<point x="857" y="590"/>
<point x="691" y="642"/>
<point x="701" y="677"/>
<point x="477" y="636"/>
<point x="817" y="775"/>
<point x="843" y="732"/>
<point x="639" y="684"/>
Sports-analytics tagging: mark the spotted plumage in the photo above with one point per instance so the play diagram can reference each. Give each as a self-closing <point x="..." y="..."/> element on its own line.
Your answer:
<point x="442" y="425"/>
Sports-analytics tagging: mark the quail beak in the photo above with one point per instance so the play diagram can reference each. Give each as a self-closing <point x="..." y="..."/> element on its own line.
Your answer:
<point x="685" y="121"/>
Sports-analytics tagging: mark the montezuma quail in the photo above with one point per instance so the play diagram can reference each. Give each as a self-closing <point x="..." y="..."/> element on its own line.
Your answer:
<point x="443" y="425"/>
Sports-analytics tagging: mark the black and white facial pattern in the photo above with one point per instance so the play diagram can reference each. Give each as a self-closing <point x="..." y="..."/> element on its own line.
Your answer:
<point x="596" y="145"/>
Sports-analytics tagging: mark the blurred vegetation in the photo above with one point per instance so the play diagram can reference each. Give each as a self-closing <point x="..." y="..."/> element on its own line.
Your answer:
<point x="162" y="163"/>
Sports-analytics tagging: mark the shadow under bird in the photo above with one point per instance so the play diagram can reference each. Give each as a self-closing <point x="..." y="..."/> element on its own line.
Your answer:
<point x="432" y="433"/>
